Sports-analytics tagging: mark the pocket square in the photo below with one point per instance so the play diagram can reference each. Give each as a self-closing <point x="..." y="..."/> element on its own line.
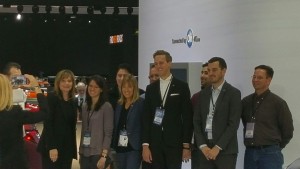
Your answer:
<point x="174" y="94"/>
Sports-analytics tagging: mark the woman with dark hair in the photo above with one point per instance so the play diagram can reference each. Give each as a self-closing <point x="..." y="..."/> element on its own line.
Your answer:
<point x="58" y="140"/>
<point x="97" y="125"/>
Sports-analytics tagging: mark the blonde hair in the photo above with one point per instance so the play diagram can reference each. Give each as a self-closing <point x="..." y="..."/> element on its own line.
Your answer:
<point x="63" y="74"/>
<point x="6" y="101"/>
<point x="131" y="81"/>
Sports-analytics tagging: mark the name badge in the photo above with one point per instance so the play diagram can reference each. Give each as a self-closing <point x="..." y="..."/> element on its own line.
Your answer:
<point x="123" y="139"/>
<point x="209" y="121"/>
<point x="86" y="139"/>
<point x="159" y="116"/>
<point x="249" y="130"/>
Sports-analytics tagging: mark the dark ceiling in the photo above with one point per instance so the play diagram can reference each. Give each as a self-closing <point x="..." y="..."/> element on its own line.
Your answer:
<point x="105" y="3"/>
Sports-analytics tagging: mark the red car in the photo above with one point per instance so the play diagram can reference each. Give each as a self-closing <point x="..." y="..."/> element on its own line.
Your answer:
<point x="31" y="140"/>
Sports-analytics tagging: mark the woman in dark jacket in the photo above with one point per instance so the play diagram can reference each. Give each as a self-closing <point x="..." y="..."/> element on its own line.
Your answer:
<point x="12" y="118"/>
<point x="128" y="125"/>
<point x="58" y="140"/>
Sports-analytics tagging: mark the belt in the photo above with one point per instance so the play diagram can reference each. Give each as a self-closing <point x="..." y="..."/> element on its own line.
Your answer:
<point x="261" y="146"/>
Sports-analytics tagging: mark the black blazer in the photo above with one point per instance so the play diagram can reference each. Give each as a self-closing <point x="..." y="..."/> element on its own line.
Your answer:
<point x="59" y="128"/>
<point x="176" y="127"/>
<point x="225" y="121"/>
<point x="12" y="153"/>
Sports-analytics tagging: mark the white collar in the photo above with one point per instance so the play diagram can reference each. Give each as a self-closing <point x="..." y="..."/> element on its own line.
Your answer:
<point x="219" y="88"/>
<point x="167" y="79"/>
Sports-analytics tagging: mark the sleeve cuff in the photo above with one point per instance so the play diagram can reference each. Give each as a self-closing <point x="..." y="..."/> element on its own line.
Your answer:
<point x="218" y="147"/>
<point x="202" y="146"/>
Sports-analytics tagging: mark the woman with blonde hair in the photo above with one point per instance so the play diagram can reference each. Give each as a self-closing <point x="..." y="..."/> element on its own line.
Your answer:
<point x="58" y="140"/>
<point x="128" y="125"/>
<point x="12" y="118"/>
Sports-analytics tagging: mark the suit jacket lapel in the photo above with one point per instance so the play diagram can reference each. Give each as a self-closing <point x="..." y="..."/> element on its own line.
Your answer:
<point x="207" y="101"/>
<point x="221" y="95"/>
<point x="157" y="90"/>
<point x="130" y="112"/>
<point x="171" y="89"/>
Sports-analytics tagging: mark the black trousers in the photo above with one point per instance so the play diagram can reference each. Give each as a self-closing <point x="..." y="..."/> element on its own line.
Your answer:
<point x="224" y="161"/>
<point x="166" y="157"/>
<point x="61" y="163"/>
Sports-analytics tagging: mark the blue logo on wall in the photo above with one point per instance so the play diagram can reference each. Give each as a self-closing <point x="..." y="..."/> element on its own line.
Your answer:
<point x="189" y="38"/>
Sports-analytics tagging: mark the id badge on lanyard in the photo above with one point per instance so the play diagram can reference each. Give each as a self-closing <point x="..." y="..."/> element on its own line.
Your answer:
<point x="209" y="121"/>
<point x="159" y="116"/>
<point x="249" y="133"/>
<point x="86" y="139"/>
<point x="123" y="138"/>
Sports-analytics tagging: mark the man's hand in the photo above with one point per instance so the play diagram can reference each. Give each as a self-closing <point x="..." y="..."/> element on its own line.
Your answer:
<point x="147" y="157"/>
<point x="186" y="155"/>
<point x="213" y="153"/>
<point x="205" y="150"/>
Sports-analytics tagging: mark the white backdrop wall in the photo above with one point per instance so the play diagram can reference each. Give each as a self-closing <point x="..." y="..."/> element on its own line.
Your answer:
<point x="244" y="33"/>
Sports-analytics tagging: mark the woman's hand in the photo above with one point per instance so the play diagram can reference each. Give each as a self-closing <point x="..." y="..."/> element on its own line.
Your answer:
<point x="53" y="154"/>
<point x="101" y="163"/>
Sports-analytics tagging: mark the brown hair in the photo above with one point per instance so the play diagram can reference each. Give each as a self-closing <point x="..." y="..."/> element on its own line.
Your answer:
<point x="131" y="80"/>
<point x="165" y="53"/>
<point x="63" y="74"/>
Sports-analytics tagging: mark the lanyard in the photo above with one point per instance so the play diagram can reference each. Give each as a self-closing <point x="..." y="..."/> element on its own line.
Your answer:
<point x="255" y="105"/>
<point x="167" y="89"/>
<point x="213" y="104"/>
<point x="90" y="114"/>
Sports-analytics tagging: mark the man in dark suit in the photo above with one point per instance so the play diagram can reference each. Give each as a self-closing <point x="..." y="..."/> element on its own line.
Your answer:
<point x="216" y="119"/>
<point x="167" y="119"/>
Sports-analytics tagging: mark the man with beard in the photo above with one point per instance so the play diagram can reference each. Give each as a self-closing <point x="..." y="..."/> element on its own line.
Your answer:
<point x="216" y="119"/>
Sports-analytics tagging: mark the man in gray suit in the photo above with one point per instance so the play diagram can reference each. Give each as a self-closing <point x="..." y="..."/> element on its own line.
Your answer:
<point x="216" y="119"/>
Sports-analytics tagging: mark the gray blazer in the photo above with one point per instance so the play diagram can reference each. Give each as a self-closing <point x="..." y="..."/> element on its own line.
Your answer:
<point x="101" y="124"/>
<point x="226" y="118"/>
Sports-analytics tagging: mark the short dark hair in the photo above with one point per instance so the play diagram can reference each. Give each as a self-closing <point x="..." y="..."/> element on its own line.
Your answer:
<point x="10" y="65"/>
<point x="269" y="70"/>
<point x="205" y="64"/>
<point x="221" y="61"/>
<point x="163" y="52"/>
<point x="125" y="66"/>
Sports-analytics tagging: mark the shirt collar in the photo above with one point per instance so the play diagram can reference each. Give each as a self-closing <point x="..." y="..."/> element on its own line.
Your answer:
<point x="219" y="88"/>
<point x="262" y="95"/>
<point x="167" y="79"/>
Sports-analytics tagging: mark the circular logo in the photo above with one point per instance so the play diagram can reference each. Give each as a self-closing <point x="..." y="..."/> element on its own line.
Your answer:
<point x="189" y="38"/>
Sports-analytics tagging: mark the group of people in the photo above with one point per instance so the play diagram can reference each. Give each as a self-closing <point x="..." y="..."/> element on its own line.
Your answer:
<point x="218" y="108"/>
<point x="162" y="127"/>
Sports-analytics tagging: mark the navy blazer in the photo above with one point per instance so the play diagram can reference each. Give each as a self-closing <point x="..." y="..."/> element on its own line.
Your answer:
<point x="133" y="124"/>
<point x="176" y="127"/>
<point x="225" y="121"/>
